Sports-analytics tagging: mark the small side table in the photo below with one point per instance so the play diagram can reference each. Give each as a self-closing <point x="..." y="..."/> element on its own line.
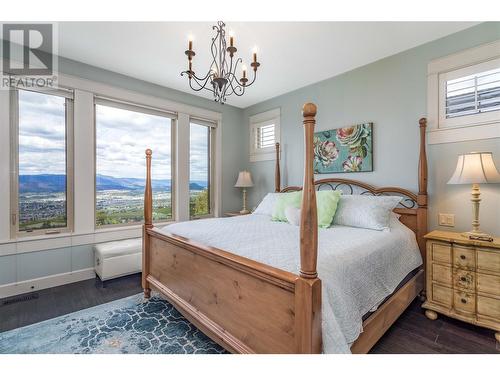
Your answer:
<point x="463" y="279"/>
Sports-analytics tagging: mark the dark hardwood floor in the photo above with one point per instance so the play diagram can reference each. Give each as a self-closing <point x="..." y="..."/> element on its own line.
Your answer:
<point x="412" y="333"/>
<point x="65" y="299"/>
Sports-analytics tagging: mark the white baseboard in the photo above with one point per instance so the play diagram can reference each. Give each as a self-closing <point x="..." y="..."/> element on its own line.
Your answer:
<point x="27" y="286"/>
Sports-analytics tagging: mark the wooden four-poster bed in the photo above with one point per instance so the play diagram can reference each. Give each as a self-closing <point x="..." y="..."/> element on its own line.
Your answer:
<point x="272" y="310"/>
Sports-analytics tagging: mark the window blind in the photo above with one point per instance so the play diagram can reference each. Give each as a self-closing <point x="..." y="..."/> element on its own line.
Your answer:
<point x="265" y="136"/>
<point x="60" y="91"/>
<point x="134" y="107"/>
<point x="473" y="94"/>
<point x="202" y="121"/>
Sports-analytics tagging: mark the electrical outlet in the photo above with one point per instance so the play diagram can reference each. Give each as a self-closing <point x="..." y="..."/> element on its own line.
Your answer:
<point x="447" y="220"/>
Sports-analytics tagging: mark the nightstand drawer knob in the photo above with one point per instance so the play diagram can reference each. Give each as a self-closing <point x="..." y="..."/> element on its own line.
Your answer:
<point x="463" y="300"/>
<point x="463" y="278"/>
<point x="462" y="257"/>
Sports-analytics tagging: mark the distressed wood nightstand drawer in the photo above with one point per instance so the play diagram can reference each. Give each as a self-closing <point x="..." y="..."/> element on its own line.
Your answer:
<point x="488" y="283"/>
<point x="463" y="280"/>
<point x="489" y="307"/>
<point x="488" y="261"/>
<point x="464" y="258"/>
<point x="464" y="302"/>
<point x="442" y="295"/>
<point x="441" y="274"/>
<point x="441" y="252"/>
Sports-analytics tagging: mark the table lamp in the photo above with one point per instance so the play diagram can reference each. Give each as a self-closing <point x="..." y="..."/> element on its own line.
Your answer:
<point x="475" y="168"/>
<point x="244" y="181"/>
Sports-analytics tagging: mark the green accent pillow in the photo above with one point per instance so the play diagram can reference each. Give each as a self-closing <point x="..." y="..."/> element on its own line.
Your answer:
<point x="326" y="203"/>
<point x="283" y="201"/>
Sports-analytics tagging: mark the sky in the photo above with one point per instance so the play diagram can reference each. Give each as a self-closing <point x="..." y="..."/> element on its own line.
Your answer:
<point x="42" y="134"/>
<point x="122" y="136"/>
<point x="198" y="152"/>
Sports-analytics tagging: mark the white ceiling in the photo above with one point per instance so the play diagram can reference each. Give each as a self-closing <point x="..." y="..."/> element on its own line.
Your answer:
<point x="292" y="55"/>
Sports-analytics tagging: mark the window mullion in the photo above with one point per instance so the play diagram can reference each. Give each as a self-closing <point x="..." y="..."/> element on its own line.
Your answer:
<point x="475" y="95"/>
<point x="14" y="201"/>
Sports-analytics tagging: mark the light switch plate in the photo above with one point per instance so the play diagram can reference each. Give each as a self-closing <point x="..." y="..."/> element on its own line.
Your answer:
<point x="447" y="220"/>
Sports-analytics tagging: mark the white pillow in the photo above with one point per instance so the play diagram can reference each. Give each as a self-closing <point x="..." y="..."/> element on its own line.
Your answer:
<point x="365" y="211"/>
<point x="267" y="205"/>
<point x="292" y="215"/>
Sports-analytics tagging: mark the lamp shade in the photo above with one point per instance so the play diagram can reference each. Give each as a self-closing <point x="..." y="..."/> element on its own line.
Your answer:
<point x="475" y="168"/>
<point x="244" y="179"/>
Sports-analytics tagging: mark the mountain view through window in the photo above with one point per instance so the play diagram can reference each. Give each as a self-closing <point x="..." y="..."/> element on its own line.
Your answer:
<point x="199" y="170"/>
<point x="42" y="196"/>
<point x="122" y="136"/>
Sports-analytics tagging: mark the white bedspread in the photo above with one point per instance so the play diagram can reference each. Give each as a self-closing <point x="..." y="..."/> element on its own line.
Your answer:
<point x="358" y="267"/>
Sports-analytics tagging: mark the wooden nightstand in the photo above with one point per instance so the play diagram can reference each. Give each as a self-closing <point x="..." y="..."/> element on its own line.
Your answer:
<point x="235" y="214"/>
<point x="463" y="279"/>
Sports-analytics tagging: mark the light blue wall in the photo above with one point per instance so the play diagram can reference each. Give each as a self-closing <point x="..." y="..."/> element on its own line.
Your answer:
<point x="391" y="93"/>
<point x="43" y="263"/>
<point x="32" y="265"/>
<point x="8" y="270"/>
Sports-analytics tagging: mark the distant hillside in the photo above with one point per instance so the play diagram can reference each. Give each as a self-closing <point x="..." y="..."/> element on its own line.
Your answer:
<point x="197" y="185"/>
<point x="42" y="183"/>
<point x="53" y="183"/>
<point x="125" y="183"/>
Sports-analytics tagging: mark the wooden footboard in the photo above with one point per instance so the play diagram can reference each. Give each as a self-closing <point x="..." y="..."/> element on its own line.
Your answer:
<point x="245" y="306"/>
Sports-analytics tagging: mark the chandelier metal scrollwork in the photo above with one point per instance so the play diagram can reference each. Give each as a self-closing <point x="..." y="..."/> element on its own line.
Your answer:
<point x="221" y="78"/>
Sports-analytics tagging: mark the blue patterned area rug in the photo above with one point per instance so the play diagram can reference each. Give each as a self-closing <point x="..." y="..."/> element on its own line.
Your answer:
<point x="129" y="325"/>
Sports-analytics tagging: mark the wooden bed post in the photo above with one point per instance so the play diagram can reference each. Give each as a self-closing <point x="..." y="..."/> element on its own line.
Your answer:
<point x="309" y="216"/>
<point x="422" y="189"/>
<point x="277" y="174"/>
<point x="148" y="223"/>
<point x="308" y="286"/>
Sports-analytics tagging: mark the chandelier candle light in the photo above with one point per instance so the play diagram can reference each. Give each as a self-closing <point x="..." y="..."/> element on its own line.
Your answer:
<point x="475" y="168"/>
<point x="221" y="78"/>
<point x="244" y="181"/>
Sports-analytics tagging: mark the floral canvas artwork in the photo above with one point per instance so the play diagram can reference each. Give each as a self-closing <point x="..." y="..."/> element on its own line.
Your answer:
<point x="344" y="150"/>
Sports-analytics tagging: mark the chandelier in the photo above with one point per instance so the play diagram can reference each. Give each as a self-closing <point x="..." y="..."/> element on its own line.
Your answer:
<point x="221" y="78"/>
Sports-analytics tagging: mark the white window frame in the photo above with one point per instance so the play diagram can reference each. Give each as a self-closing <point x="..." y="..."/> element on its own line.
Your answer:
<point x="259" y="120"/>
<point x="148" y="110"/>
<point x="460" y="128"/>
<point x="14" y="203"/>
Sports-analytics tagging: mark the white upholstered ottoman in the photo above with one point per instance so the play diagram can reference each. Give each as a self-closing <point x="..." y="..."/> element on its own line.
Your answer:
<point x="118" y="258"/>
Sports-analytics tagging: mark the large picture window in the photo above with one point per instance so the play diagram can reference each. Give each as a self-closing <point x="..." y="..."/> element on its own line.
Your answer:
<point x="123" y="133"/>
<point x="42" y="123"/>
<point x="200" y="171"/>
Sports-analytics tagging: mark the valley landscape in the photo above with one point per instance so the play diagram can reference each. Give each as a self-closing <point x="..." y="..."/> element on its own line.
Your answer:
<point x="42" y="201"/>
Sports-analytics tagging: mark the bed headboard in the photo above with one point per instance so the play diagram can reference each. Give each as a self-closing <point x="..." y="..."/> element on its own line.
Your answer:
<point x="412" y="208"/>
